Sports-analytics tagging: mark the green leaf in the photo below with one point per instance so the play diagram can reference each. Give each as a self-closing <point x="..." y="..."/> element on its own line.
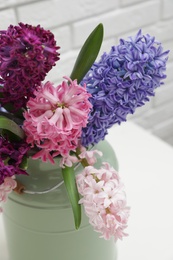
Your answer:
<point x="11" y="137"/>
<point x="70" y="183"/>
<point x="10" y="125"/>
<point x="88" y="54"/>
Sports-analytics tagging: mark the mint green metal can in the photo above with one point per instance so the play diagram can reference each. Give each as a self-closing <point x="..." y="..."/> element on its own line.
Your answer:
<point x="41" y="226"/>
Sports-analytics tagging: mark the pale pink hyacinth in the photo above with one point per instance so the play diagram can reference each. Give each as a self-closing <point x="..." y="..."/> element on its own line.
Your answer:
<point x="55" y="118"/>
<point x="89" y="155"/>
<point x="104" y="200"/>
<point x="68" y="161"/>
<point x="5" y="188"/>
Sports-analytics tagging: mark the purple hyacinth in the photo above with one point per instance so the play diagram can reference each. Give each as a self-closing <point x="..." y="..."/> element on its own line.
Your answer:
<point x="6" y="171"/>
<point x="11" y="156"/>
<point x="121" y="81"/>
<point x="27" y="54"/>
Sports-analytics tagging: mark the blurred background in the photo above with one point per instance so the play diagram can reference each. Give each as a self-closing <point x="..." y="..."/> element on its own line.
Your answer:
<point x="72" y="21"/>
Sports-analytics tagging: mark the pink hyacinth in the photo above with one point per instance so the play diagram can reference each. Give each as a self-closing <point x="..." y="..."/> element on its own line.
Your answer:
<point x="5" y="188"/>
<point x="104" y="200"/>
<point x="55" y="118"/>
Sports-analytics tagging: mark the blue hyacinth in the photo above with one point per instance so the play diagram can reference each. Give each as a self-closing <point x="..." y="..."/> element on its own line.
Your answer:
<point x="121" y="81"/>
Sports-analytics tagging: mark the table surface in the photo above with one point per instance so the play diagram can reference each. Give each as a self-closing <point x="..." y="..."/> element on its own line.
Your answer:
<point x="146" y="168"/>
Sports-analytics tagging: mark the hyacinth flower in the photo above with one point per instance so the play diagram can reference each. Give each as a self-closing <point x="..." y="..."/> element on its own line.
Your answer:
<point x="55" y="118"/>
<point x="27" y="54"/>
<point x="11" y="157"/>
<point x="104" y="200"/>
<point x="8" y="185"/>
<point x="121" y="81"/>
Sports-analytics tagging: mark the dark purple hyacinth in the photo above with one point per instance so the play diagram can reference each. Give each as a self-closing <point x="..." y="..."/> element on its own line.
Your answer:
<point x="121" y="81"/>
<point x="27" y="54"/>
<point x="11" y="156"/>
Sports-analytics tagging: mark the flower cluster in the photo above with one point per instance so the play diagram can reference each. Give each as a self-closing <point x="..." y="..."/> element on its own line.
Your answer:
<point x="11" y="156"/>
<point x="104" y="200"/>
<point x="27" y="53"/>
<point x="41" y="120"/>
<point x="56" y="117"/>
<point x="7" y="187"/>
<point x="121" y="81"/>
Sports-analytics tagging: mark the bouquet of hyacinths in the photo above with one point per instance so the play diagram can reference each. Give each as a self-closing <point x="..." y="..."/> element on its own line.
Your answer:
<point x="45" y="121"/>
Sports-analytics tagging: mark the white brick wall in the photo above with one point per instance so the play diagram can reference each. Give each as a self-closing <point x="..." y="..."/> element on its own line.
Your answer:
<point x="72" y="21"/>
<point x="7" y="16"/>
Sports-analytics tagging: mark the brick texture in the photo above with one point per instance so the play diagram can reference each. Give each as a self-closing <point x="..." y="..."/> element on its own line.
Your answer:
<point x="167" y="10"/>
<point x="119" y="21"/>
<point x="72" y="21"/>
<point x="129" y="2"/>
<point x="55" y="12"/>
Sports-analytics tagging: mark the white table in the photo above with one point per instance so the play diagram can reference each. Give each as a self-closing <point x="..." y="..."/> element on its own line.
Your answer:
<point x="146" y="168"/>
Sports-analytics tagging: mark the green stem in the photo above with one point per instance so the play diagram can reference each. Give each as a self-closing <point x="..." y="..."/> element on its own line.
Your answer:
<point x="68" y="174"/>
